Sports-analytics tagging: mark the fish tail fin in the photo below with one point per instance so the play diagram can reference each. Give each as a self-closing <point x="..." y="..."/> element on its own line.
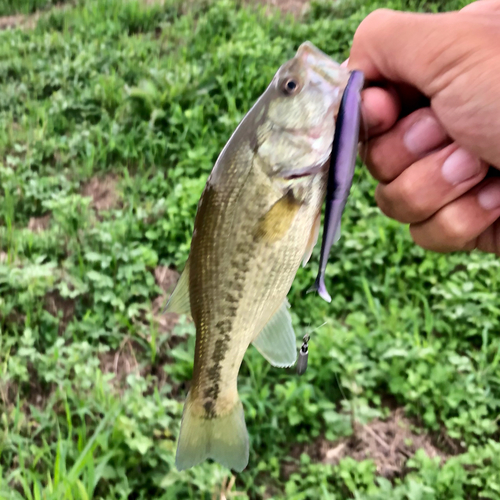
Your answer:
<point x="320" y="287"/>
<point x="223" y="439"/>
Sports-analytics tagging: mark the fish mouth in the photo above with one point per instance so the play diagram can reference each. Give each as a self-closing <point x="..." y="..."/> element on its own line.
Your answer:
<point x="323" y="65"/>
<point x="306" y="171"/>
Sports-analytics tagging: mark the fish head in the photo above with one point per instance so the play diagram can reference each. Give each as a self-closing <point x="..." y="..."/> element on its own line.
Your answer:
<point x="298" y="111"/>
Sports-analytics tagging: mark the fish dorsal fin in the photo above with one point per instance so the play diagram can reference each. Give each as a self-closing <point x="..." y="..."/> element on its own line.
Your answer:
<point x="276" y="341"/>
<point x="179" y="300"/>
<point x="313" y="239"/>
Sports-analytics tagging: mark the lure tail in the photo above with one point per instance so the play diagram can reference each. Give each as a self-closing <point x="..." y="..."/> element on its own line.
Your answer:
<point x="320" y="287"/>
<point x="223" y="439"/>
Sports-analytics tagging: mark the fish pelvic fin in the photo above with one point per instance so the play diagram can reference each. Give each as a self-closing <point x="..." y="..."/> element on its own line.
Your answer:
<point x="221" y="438"/>
<point x="276" y="342"/>
<point x="320" y="287"/>
<point x="179" y="301"/>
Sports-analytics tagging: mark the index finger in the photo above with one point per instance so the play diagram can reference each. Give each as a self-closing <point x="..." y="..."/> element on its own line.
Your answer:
<point x="415" y="48"/>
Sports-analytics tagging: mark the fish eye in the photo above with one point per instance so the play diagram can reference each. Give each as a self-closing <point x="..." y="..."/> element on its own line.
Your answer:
<point x="290" y="86"/>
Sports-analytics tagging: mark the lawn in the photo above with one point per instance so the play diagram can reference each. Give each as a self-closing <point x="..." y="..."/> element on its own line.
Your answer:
<point x="112" y="113"/>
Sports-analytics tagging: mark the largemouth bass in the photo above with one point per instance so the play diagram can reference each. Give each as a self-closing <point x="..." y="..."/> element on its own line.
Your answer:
<point x="257" y="220"/>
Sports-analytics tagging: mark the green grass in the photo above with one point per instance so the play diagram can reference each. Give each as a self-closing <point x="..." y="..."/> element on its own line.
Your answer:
<point x="148" y="96"/>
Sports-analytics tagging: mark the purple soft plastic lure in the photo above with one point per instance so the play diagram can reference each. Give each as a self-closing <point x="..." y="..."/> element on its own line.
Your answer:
<point x="342" y="163"/>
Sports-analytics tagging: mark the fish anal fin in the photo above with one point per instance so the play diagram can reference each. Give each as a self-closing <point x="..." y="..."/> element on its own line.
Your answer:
<point x="313" y="239"/>
<point x="223" y="439"/>
<point x="275" y="224"/>
<point x="276" y="342"/>
<point x="179" y="301"/>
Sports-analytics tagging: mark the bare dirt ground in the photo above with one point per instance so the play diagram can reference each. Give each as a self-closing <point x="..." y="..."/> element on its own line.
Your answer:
<point x="389" y="443"/>
<point x="295" y="7"/>
<point x="38" y="224"/>
<point x="27" y="21"/>
<point x="102" y="191"/>
<point x="18" y="21"/>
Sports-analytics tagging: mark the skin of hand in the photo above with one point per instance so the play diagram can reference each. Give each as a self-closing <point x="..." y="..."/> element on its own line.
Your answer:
<point x="433" y="121"/>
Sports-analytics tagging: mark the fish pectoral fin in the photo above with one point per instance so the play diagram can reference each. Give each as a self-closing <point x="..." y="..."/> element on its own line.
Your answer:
<point x="179" y="302"/>
<point x="313" y="239"/>
<point x="222" y="438"/>
<point x="274" y="225"/>
<point x="276" y="342"/>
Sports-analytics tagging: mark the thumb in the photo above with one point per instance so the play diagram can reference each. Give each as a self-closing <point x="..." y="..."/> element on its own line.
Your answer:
<point x="427" y="51"/>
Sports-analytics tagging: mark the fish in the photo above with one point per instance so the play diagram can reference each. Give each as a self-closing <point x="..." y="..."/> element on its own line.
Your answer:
<point x="257" y="220"/>
<point x="341" y="173"/>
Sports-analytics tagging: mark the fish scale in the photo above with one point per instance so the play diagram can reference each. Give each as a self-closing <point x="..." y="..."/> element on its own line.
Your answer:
<point x="210" y="309"/>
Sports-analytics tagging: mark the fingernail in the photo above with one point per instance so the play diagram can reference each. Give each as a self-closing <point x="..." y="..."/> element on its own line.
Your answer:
<point x="424" y="135"/>
<point x="460" y="166"/>
<point x="345" y="63"/>
<point x="489" y="196"/>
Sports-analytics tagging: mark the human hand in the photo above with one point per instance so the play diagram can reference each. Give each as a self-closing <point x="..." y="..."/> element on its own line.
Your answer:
<point x="434" y="127"/>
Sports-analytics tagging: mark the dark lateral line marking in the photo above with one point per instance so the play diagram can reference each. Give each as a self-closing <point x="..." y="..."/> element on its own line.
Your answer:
<point x="224" y="326"/>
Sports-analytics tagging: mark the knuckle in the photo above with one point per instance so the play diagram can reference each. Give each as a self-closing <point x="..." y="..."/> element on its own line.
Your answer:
<point x="416" y="205"/>
<point x="370" y="26"/>
<point x="420" y="239"/>
<point x="446" y="231"/>
<point x="453" y="229"/>
<point x="425" y="237"/>
<point x="416" y="236"/>
<point x="382" y="202"/>
<point x="409" y="204"/>
<point x="373" y="20"/>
